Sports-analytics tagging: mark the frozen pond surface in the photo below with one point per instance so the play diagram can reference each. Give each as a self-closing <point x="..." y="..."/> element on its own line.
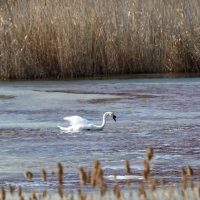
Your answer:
<point x="159" y="113"/>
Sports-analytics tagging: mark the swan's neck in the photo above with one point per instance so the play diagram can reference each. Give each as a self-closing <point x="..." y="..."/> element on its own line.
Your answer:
<point x="103" y="122"/>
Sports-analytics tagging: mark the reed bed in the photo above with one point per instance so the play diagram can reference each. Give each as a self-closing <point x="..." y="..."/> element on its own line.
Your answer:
<point x="62" y="39"/>
<point x="93" y="185"/>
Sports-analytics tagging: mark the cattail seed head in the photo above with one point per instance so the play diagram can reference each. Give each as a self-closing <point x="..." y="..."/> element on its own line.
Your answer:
<point x="43" y="175"/>
<point x="96" y="166"/>
<point x="149" y="153"/>
<point x="127" y="167"/>
<point x="28" y="175"/>
<point x="60" y="173"/>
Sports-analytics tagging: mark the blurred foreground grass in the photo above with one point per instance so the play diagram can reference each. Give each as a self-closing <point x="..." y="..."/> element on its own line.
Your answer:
<point x="94" y="187"/>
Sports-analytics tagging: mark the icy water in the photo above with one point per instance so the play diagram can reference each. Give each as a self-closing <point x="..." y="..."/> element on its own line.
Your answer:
<point x="160" y="113"/>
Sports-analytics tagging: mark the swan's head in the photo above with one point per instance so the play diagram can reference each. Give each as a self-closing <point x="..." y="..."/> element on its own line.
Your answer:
<point x="112" y="115"/>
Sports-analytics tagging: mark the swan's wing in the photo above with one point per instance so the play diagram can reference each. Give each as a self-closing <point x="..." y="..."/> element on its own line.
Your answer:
<point x="76" y="120"/>
<point x="69" y="129"/>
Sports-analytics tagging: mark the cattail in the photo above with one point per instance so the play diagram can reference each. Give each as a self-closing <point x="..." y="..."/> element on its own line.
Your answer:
<point x="60" y="191"/>
<point x="104" y="189"/>
<point x="199" y="189"/>
<point x="82" y="176"/>
<point x="171" y="189"/>
<point x="93" y="182"/>
<point x="33" y="196"/>
<point x="28" y="175"/>
<point x="20" y="191"/>
<point x="116" y="191"/>
<point x="184" y="182"/>
<point x="146" y="166"/>
<point x="11" y="189"/>
<point x="146" y="170"/>
<point x="60" y="173"/>
<point x="99" y="175"/>
<point x="163" y="186"/>
<point x="3" y="193"/>
<point x="127" y="167"/>
<point x="183" y="172"/>
<point x="96" y="166"/>
<point x="44" y="194"/>
<point x="88" y="176"/>
<point x="189" y="171"/>
<point x="43" y="175"/>
<point x="192" y="184"/>
<point x="21" y="198"/>
<point x="154" y="185"/>
<point x="142" y="191"/>
<point x="183" y="194"/>
<point x="149" y="153"/>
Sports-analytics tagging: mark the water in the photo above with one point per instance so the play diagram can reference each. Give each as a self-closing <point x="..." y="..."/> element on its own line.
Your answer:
<point x="159" y="113"/>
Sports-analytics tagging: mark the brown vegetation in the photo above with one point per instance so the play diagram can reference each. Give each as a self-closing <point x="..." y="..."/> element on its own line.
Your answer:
<point x="93" y="185"/>
<point x="68" y="39"/>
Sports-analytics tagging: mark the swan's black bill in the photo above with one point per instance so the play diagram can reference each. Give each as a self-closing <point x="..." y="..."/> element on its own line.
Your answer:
<point x="114" y="118"/>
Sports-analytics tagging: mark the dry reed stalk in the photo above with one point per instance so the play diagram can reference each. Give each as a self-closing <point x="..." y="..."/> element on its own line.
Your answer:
<point x="33" y="196"/>
<point x="82" y="176"/>
<point x="142" y="191"/>
<point x="117" y="191"/>
<point x="44" y="194"/>
<point x="127" y="167"/>
<point x="43" y="175"/>
<point x="190" y="171"/>
<point x="19" y="191"/>
<point x="3" y="193"/>
<point x="58" y="39"/>
<point x="88" y="177"/>
<point x="60" y="191"/>
<point x="154" y="184"/>
<point x="146" y="170"/>
<point x="96" y="166"/>
<point x="103" y="189"/>
<point x="60" y="173"/>
<point x="12" y="189"/>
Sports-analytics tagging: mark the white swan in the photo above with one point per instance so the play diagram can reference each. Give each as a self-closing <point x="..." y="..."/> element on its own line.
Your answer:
<point x="78" y="123"/>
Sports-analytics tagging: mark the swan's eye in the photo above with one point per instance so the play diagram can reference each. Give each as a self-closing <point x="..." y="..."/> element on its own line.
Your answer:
<point x="114" y="117"/>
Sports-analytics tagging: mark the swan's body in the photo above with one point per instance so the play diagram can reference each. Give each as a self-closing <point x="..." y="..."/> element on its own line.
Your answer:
<point x="78" y="123"/>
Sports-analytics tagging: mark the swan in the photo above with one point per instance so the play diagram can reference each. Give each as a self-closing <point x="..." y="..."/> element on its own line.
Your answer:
<point x="78" y="123"/>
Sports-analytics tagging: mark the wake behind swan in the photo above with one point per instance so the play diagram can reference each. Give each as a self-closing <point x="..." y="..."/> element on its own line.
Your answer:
<point x="77" y="123"/>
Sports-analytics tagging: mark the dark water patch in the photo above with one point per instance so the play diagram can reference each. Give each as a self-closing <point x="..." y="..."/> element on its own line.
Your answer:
<point x="101" y="101"/>
<point x="5" y="97"/>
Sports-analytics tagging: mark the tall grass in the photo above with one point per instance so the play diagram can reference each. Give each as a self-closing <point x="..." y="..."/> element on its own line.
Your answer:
<point x="74" y="38"/>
